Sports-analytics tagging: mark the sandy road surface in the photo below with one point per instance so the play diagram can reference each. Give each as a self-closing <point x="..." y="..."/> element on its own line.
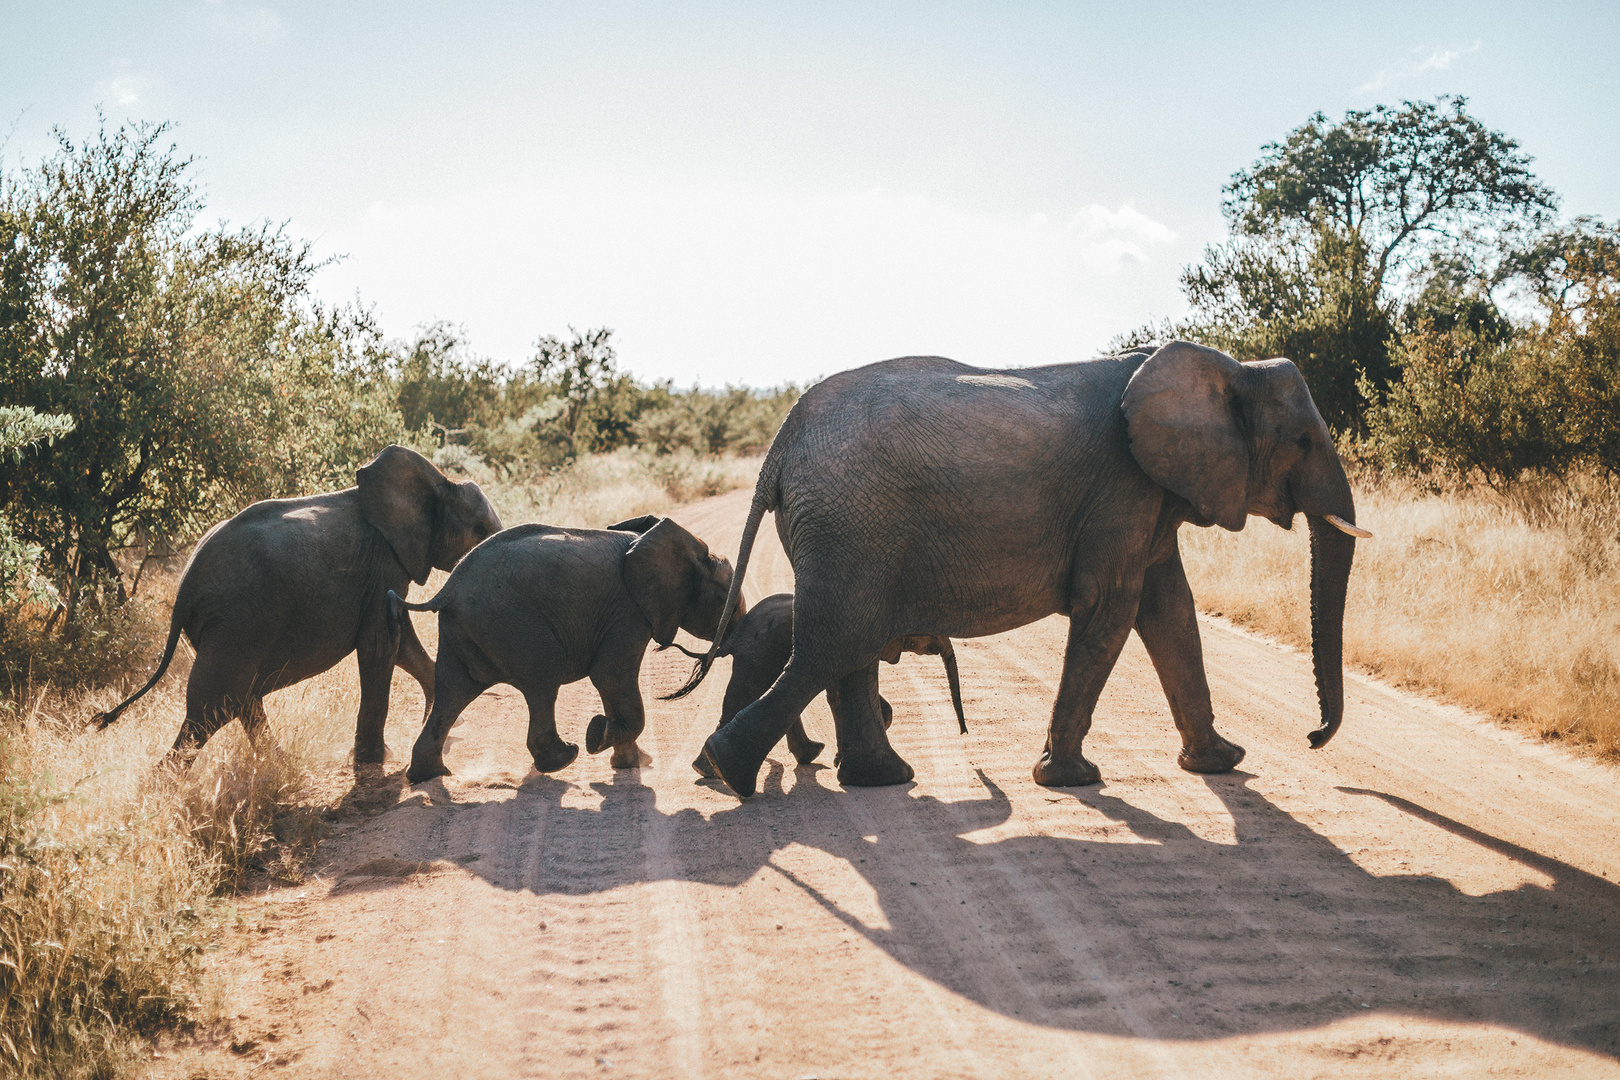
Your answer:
<point x="1426" y="897"/>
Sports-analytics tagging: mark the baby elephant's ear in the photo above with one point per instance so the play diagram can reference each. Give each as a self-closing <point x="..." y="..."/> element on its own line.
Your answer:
<point x="398" y="496"/>
<point x="661" y="571"/>
<point x="637" y="524"/>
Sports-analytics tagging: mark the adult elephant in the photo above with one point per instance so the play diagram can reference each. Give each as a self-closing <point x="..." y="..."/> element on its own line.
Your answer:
<point x="923" y="496"/>
<point x="289" y="587"/>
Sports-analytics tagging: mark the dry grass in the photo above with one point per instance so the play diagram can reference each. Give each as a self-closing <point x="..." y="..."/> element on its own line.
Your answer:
<point x="1509" y="605"/>
<point x="115" y="876"/>
<point x="597" y="491"/>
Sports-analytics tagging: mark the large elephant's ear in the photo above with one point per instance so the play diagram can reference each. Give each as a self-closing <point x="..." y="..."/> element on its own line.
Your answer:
<point x="398" y="496"/>
<point x="661" y="572"/>
<point x="1183" y="414"/>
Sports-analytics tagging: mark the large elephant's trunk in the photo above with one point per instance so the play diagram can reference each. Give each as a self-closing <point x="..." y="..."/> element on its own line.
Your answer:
<point x="1331" y="553"/>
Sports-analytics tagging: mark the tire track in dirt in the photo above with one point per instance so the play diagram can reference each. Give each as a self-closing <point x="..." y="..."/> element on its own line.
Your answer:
<point x="1427" y="896"/>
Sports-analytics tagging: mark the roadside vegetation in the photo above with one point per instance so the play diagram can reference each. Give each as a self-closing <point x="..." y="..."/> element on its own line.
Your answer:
<point x="157" y="375"/>
<point x="1463" y="342"/>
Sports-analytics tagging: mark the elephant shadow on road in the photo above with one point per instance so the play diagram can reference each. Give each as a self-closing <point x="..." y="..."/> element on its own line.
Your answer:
<point x="1170" y="934"/>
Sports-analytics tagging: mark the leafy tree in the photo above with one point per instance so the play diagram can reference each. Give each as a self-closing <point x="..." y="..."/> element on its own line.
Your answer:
<point x="21" y="428"/>
<point x="1344" y="232"/>
<point x="1544" y="400"/>
<point x="1568" y="267"/>
<point x="595" y="404"/>
<point x="1405" y="182"/>
<point x="199" y="371"/>
<point x="442" y="384"/>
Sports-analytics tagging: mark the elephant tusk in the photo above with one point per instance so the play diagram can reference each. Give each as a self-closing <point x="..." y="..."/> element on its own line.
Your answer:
<point x="1345" y="527"/>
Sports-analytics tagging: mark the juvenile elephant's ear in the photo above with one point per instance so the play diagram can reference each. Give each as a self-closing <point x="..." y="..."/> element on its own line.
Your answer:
<point x="661" y="572"/>
<point x="1183" y="416"/>
<point x="398" y="491"/>
<point x="636" y="525"/>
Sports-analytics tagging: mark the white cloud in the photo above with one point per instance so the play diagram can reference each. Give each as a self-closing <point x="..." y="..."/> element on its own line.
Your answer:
<point x="758" y="286"/>
<point x="124" y="87"/>
<point x="1436" y="60"/>
<point x="1113" y="236"/>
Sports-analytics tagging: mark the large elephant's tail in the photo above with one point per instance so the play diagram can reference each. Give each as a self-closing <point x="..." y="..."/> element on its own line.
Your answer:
<point x="948" y="654"/>
<point x="765" y="498"/>
<point x="176" y="620"/>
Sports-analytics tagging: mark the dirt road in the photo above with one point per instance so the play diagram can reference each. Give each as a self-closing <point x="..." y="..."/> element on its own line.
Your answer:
<point x="1426" y="897"/>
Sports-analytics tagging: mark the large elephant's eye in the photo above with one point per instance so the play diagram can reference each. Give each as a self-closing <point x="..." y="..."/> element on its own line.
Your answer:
<point x="1304" y="442"/>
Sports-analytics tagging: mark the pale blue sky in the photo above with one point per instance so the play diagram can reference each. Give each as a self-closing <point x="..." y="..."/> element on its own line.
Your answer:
<point x="763" y="192"/>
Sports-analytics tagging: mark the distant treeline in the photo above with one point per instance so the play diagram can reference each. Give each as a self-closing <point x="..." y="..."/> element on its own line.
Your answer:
<point x="1451" y="327"/>
<point x="160" y="375"/>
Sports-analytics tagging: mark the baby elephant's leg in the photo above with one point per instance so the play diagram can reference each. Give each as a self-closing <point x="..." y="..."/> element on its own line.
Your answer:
<point x="547" y="749"/>
<point x="617" y="680"/>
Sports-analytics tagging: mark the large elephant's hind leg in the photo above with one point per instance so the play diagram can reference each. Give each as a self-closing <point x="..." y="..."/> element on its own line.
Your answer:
<point x="1096" y="638"/>
<point x="865" y="757"/>
<point x="736" y="751"/>
<point x="455" y="690"/>
<point x="1167" y="622"/>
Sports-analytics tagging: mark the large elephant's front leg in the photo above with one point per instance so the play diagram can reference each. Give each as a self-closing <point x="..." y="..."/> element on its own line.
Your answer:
<point x="1167" y="621"/>
<point x="865" y="757"/>
<point x="1096" y="637"/>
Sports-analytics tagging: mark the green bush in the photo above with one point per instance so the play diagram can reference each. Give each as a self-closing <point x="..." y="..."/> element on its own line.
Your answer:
<point x="200" y="372"/>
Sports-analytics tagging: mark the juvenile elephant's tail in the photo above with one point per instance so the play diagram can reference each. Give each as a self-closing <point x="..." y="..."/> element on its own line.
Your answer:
<point x="765" y="498"/>
<point x="396" y="609"/>
<point x="176" y="619"/>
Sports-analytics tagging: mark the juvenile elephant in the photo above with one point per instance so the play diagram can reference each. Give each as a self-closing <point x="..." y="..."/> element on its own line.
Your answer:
<point x="539" y="606"/>
<point x="289" y="587"/>
<point x="760" y="646"/>
<point x="923" y="496"/>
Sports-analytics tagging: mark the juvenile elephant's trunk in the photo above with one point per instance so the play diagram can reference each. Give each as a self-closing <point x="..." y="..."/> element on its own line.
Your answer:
<point x="1331" y="553"/>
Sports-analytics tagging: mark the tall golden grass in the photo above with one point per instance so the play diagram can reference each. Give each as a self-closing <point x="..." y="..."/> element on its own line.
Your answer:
<point x="598" y="490"/>
<point x="115" y="876"/>
<point x="1509" y="604"/>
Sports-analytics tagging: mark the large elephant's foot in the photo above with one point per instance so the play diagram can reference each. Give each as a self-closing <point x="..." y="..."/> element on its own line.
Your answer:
<point x="369" y="752"/>
<point x="630" y="756"/>
<point x="554" y="755"/>
<point x="803" y="748"/>
<point x="426" y="763"/>
<point x="1066" y="772"/>
<point x="1215" y="755"/>
<point x="730" y="759"/>
<point x="879" y="768"/>
<point x="702" y="766"/>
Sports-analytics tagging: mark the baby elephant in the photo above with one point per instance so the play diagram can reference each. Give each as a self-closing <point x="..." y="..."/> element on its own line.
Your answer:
<point x="760" y="646"/>
<point x="538" y="606"/>
<point x="289" y="587"/>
